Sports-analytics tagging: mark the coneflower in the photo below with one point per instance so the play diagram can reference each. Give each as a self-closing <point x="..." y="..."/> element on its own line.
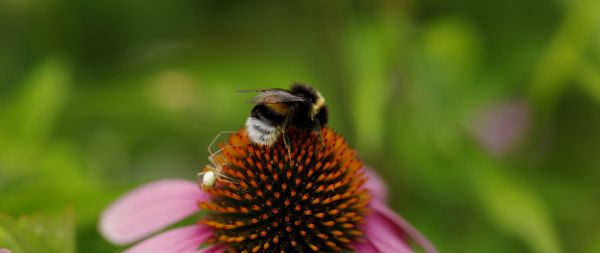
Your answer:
<point x="312" y="202"/>
<point x="316" y="198"/>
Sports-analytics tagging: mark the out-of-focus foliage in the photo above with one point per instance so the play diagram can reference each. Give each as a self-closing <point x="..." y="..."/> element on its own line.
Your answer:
<point x="483" y="117"/>
<point x="38" y="234"/>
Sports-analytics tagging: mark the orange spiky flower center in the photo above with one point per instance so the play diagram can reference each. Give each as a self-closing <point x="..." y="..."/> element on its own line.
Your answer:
<point x="313" y="202"/>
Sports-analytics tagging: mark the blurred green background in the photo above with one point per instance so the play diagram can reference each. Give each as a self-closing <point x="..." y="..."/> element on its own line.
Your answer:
<point x="483" y="117"/>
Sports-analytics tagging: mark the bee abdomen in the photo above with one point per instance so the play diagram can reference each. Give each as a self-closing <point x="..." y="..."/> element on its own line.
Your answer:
<point x="262" y="125"/>
<point x="261" y="133"/>
<point x="267" y="115"/>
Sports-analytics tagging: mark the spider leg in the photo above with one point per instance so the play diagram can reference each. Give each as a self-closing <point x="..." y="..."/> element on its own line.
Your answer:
<point x="212" y="160"/>
<point x="216" y="138"/>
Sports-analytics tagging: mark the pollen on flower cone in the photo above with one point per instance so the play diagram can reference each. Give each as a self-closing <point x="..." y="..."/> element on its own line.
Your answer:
<point x="313" y="202"/>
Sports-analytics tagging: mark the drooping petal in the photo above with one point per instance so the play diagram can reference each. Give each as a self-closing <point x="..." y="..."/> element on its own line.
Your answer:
<point x="375" y="184"/>
<point x="179" y="240"/>
<point x="387" y="231"/>
<point x="383" y="236"/>
<point x="149" y="209"/>
<point x="365" y="246"/>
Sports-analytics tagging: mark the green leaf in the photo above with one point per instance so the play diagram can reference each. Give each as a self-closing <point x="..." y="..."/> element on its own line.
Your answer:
<point x="38" y="233"/>
<point x="589" y="79"/>
<point x="565" y="52"/>
<point x="368" y="86"/>
<point x="28" y="120"/>
<point x="514" y="207"/>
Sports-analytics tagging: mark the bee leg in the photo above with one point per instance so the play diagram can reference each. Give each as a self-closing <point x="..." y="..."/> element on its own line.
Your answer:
<point x="322" y="142"/>
<point x="317" y="129"/>
<point x="286" y="141"/>
<point x="287" y="144"/>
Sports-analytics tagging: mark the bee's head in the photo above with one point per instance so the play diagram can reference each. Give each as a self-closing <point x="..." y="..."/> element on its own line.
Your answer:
<point x="322" y="115"/>
<point x="314" y="98"/>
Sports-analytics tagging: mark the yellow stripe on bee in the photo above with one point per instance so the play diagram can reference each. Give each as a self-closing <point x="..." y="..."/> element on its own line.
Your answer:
<point x="318" y="104"/>
<point x="280" y="108"/>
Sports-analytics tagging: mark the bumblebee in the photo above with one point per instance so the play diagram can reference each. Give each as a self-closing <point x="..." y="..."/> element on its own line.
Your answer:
<point x="301" y="107"/>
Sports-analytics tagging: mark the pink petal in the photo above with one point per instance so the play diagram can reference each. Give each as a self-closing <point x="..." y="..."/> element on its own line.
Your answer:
<point x="364" y="246"/>
<point x="386" y="230"/>
<point x="179" y="240"/>
<point x="149" y="209"/>
<point x="4" y="251"/>
<point x="212" y="249"/>
<point x="383" y="237"/>
<point x="376" y="185"/>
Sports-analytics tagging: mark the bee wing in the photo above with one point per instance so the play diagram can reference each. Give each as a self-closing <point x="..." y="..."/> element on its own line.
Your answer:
<point x="273" y="96"/>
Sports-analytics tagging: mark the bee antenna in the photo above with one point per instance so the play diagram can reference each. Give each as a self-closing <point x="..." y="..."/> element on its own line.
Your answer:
<point x="246" y="91"/>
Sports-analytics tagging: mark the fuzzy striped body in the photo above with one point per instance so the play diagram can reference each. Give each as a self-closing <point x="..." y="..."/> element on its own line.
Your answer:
<point x="301" y="107"/>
